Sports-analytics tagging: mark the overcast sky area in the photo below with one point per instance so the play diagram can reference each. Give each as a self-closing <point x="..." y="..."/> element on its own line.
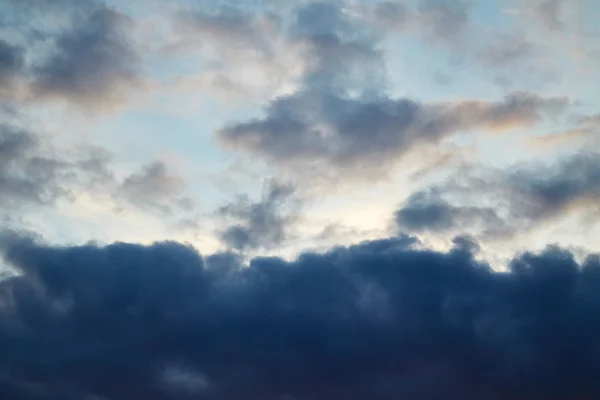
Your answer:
<point x="298" y="200"/>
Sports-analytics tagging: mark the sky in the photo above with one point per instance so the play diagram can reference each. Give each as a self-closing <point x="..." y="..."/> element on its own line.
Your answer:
<point x="295" y="199"/>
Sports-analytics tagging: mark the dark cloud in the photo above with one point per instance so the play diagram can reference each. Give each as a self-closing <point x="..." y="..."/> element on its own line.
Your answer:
<point x="94" y="62"/>
<point x="262" y="224"/>
<point x="12" y="64"/>
<point x="365" y="134"/>
<point x="26" y="176"/>
<point x="79" y="51"/>
<point x="378" y="320"/>
<point x="572" y="183"/>
<point x="500" y="203"/>
<point x="427" y="211"/>
<point x="549" y="12"/>
<point x="155" y="187"/>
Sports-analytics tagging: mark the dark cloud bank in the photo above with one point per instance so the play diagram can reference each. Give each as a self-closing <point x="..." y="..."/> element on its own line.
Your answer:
<point x="378" y="320"/>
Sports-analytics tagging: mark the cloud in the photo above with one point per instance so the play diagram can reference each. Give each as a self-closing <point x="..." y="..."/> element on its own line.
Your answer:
<point x="377" y="320"/>
<point x="12" y="64"/>
<point x="262" y="224"/>
<point x="228" y="29"/>
<point x="501" y="203"/>
<point x="35" y="175"/>
<point x="26" y="176"/>
<point x="156" y="187"/>
<point x="94" y="62"/>
<point x="433" y="21"/>
<point x="506" y="50"/>
<point x="83" y="52"/>
<point x="342" y="119"/>
<point x="549" y="12"/>
<point x="561" y="139"/>
<point x="446" y="20"/>
<point x="427" y="211"/>
<point x="362" y="134"/>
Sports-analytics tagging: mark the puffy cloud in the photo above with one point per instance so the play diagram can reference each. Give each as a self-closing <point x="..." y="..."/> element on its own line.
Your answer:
<point x="30" y="174"/>
<point x="262" y="224"/>
<point x="377" y="320"/>
<point x="155" y="187"/>
<point x="94" y="62"/>
<point x="79" y="51"/>
<point x="366" y="134"/>
<point x="34" y="173"/>
<point x="499" y="203"/>
<point x="342" y="118"/>
<point x="549" y="12"/>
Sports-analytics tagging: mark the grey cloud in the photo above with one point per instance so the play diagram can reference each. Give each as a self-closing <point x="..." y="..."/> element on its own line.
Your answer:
<point x="507" y="50"/>
<point x="434" y="21"/>
<point x="154" y="186"/>
<point x="341" y="116"/>
<point x="426" y="211"/>
<point x="94" y="62"/>
<point x="26" y="177"/>
<point x="499" y="203"/>
<point x="574" y="182"/>
<point x="369" y="134"/>
<point x="390" y="14"/>
<point x="262" y="224"/>
<point x="12" y="68"/>
<point x="591" y="120"/>
<point x="549" y="12"/>
<point x="446" y="19"/>
<point x="79" y="51"/>
<point x="227" y="28"/>
<point x="33" y="173"/>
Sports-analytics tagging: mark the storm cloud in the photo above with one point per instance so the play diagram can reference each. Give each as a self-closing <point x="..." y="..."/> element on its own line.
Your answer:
<point x="377" y="320"/>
